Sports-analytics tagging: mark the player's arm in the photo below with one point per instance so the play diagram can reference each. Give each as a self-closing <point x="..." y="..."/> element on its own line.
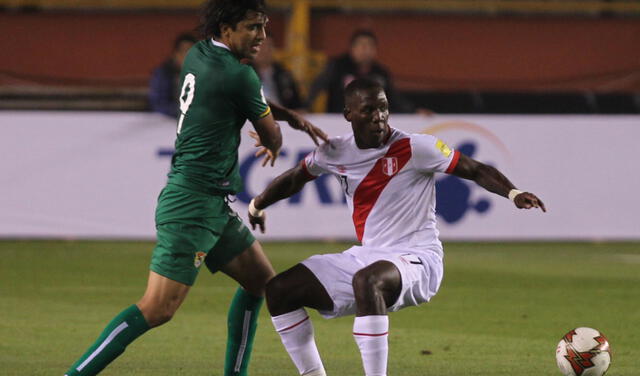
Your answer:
<point x="284" y="186"/>
<point x="245" y="90"/>
<point x="492" y="180"/>
<point x="268" y="138"/>
<point x="297" y="121"/>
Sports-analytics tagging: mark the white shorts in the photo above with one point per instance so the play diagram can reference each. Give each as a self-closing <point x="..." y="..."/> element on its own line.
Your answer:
<point x="421" y="273"/>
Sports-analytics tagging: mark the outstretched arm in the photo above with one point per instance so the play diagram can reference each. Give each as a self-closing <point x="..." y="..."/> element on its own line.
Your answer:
<point x="492" y="180"/>
<point x="297" y="121"/>
<point x="284" y="186"/>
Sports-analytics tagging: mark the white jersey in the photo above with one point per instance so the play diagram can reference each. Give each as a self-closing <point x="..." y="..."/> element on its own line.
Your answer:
<point x="390" y="190"/>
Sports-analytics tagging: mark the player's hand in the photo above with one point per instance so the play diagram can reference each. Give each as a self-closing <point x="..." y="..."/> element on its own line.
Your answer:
<point x="297" y="121"/>
<point x="256" y="217"/>
<point x="269" y="156"/>
<point x="526" y="200"/>
<point x="257" y="221"/>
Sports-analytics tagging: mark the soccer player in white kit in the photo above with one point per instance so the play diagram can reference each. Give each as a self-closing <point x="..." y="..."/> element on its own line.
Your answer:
<point x="387" y="176"/>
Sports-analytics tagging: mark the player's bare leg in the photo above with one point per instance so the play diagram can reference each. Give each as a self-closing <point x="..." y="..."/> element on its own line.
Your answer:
<point x="295" y="288"/>
<point x="287" y="294"/>
<point x="252" y="270"/>
<point x="160" y="301"/>
<point x="375" y="287"/>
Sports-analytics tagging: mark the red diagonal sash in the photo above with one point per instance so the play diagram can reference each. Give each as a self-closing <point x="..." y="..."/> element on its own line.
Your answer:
<point x="373" y="184"/>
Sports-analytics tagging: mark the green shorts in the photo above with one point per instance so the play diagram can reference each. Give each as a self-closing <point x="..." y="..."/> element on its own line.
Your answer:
<point x="194" y="228"/>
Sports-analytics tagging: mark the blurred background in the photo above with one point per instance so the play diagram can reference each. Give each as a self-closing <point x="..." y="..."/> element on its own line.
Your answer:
<point x="447" y="56"/>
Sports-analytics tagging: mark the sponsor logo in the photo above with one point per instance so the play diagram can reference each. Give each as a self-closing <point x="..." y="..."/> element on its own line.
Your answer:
<point x="444" y="149"/>
<point x="408" y="258"/>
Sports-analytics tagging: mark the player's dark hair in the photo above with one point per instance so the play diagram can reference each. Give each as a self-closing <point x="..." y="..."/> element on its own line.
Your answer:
<point x="214" y="13"/>
<point x="361" y="84"/>
<point x="184" y="37"/>
<point x="362" y="33"/>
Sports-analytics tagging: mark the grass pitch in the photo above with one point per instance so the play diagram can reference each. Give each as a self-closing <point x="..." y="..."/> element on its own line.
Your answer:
<point x="501" y="310"/>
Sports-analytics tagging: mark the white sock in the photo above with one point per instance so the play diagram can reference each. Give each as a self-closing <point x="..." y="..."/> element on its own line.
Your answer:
<point x="319" y="372"/>
<point x="296" y="333"/>
<point x="371" y="334"/>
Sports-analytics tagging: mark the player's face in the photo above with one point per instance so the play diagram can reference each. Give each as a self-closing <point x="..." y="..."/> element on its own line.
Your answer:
<point x="245" y="40"/>
<point x="368" y="113"/>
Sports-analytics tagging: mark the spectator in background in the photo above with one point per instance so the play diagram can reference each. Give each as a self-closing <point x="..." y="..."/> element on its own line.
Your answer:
<point x="359" y="62"/>
<point x="163" y="86"/>
<point x="278" y="83"/>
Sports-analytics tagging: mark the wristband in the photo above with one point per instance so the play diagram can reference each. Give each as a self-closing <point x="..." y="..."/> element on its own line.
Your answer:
<point x="254" y="211"/>
<point x="513" y="193"/>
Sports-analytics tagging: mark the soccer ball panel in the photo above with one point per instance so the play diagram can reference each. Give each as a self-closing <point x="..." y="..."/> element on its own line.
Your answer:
<point x="583" y="352"/>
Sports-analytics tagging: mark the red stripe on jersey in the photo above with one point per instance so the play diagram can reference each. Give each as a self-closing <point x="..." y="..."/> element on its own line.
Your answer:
<point x="371" y="335"/>
<point x="373" y="184"/>
<point x="454" y="162"/>
<point x="303" y="164"/>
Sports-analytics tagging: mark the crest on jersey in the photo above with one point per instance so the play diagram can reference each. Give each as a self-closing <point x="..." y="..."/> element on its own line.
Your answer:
<point x="198" y="259"/>
<point x="390" y="166"/>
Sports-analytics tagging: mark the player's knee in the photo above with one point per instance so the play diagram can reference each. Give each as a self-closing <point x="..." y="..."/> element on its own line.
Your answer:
<point x="163" y="317"/>
<point x="257" y="284"/>
<point x="159" y="317"/>
<point x="275" y="289"/>
<point x="364" y="282"/>
<point x="157" y="314"/>
<point x="281" y="295"/>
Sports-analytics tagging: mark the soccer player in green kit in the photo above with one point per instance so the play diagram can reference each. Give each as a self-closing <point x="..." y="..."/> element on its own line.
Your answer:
<point x="194" y="223"/>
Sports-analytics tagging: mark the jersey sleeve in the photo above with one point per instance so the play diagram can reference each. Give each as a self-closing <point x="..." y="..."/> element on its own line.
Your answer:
<point x="249" y="96"/>
<point x="315" y="163"/>
<point x="432" y="155"/>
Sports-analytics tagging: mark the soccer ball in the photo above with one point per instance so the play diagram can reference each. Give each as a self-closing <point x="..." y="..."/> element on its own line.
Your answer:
<point x="583" y="352"/>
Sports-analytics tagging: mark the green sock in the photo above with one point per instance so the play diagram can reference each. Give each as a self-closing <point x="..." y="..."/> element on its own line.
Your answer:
<point x="119" y="333"/>
<point x="242" y="322"/>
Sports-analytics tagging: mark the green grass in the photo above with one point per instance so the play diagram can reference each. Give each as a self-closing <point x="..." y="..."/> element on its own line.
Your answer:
<point x="501" y="310"/>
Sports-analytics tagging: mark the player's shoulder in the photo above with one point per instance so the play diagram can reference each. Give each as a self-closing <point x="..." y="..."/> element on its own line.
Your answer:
<point x="197" y="54"/>
<point x="200" y="62"/>
<point x="411" y="140"/>
<point x="421" y="136"/>
<point x="424" y="145"/>
<point x="338" y="149"/>
<point x="217" y="59"/>
<point x="422" y="140"/>
<point x="242" y="77"/>
<point x="336" y="146"/>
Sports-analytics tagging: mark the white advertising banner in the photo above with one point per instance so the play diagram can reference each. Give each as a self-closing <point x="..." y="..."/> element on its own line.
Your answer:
<point x="98" y="174"/>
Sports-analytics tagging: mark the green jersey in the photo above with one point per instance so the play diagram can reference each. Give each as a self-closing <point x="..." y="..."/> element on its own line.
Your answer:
<point x="218" y="95"/>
